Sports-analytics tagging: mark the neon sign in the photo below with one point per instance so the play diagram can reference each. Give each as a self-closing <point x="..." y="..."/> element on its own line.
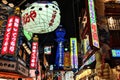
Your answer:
<point x="74" y="53"/>
<point x="95" y="41"/>
<point x="33" y="59"/>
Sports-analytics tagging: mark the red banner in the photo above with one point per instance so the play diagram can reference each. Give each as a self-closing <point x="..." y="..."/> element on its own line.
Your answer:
<point x="14" y="35"/>
<point x="33" y="59"/>
<point x="10" y="36"/>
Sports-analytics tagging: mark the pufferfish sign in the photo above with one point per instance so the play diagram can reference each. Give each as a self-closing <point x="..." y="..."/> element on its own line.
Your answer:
<point x="41" y="17"/>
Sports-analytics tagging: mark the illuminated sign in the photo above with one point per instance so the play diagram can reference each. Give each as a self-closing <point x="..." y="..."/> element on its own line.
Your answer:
<point x="33" y="59"/>
<point x="14" y="35"/>
<point x="60" y="55"/>
<point x="41" y="17"/>
<point x="115" y="52"/>
<point x="10" y="37"/>
<point x="60" y="33"/>
<point x="74" y="53"/>
<point x="47" y="49"/>
<point x="67" y="61"/>
<point x="95" y="41"/>
<point x="26" y="48"/>
<point x="6" y="40"/>
<point x="60" y="50"/>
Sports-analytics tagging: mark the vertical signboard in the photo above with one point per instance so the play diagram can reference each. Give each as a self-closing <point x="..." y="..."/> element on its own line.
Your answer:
<point x="74" y="53"/>
<point x="6" y="40"/>
<point x="67" y="62"/>
<point x="33" y="59"/>
<point x="13" y="39"/>
<point x="93" y="25"/>
<point x="10" y="37"/>
<point x="60" y="33"/>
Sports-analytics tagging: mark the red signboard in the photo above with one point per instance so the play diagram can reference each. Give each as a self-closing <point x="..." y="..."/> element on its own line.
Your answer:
<point x="10" y="36"/>
<point x="33" y="59"/>
<point x="14" y="35"/>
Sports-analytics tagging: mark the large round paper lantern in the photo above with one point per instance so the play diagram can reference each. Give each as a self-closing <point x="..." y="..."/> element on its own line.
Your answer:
<point x="41" y="17"/>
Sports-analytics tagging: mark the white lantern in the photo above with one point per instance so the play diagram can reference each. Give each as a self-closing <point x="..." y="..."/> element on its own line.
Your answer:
<point x="41" y="17"/>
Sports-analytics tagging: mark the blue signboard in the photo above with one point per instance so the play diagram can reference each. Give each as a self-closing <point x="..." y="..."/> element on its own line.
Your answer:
<point x="60" y="33"/>
<point x="115" y="52"/>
